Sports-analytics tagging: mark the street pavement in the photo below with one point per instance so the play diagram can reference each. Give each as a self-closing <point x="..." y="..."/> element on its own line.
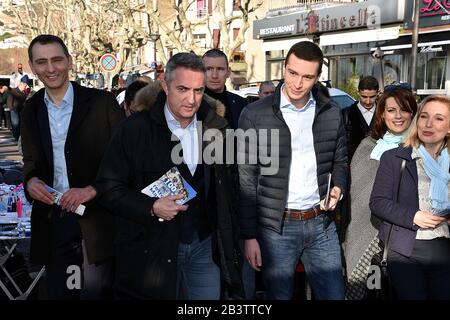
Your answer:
<point x="8" y="146"/>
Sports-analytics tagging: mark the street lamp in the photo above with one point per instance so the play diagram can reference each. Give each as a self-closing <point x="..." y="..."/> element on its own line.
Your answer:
<point x="154" y="37"/>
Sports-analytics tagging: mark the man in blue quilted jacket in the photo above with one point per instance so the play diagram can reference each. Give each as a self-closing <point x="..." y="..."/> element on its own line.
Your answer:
<point x="283" y="214"/>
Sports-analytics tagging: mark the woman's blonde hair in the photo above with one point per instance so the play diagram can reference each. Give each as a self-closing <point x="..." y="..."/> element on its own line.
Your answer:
<point x="412" y="137"/>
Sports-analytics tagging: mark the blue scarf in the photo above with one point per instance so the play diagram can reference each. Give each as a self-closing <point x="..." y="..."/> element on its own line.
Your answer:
<point x="388" y="142"/>
<point x="437" y="171"/>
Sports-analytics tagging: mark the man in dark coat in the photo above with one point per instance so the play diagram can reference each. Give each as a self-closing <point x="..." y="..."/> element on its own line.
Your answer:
<point x="300" y="140"/>
<point x="217" y="73"/>
<point x="65" y="130"/>
<point x="359" y="117"/>
<point x="164" y="249"/>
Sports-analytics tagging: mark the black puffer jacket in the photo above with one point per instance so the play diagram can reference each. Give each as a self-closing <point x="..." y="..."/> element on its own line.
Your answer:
<point x="263" y="195"/>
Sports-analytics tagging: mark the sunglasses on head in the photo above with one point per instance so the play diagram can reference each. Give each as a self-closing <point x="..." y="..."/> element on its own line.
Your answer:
<point x="397" y="85"/>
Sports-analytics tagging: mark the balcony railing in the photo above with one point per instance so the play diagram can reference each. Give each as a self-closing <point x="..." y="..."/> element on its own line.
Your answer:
<point x="287" y="4"/>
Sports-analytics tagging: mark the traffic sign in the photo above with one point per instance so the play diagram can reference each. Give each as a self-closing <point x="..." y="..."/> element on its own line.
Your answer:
<point x="153" y="65"/>
<point x="108" y="62"/>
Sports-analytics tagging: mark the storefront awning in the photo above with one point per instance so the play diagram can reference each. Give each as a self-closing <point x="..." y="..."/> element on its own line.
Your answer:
<point x="425" y="40"/>
<point x="284" y="44"/>
<point x="360" y="36"/>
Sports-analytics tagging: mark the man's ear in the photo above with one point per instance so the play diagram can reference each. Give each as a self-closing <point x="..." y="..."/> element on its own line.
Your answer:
<point x="31" y="66"/>
<point x="228" y="72"/>
<point x="164" y="86"/>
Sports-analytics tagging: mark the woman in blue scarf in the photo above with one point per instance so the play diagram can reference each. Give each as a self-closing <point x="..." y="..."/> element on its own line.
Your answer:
<point x="419" y="249"/>
<point x="393" y="115"/>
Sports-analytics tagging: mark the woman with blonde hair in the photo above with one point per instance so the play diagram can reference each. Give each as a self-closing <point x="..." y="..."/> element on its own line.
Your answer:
<point x="413" y="205"/>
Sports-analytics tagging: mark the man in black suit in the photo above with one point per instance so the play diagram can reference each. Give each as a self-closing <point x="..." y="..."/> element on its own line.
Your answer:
<point x="65" y="130"/>
<point x="217" y="72"/>
<point x="359" y="117"/>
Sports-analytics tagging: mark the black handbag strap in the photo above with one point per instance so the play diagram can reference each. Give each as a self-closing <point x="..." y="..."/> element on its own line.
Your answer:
<point x="386" y="247"/>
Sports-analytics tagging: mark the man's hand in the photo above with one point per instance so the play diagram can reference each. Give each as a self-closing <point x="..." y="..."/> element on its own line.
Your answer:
<point x="426" y="219"/>
<point x="166" y="208"/>
<point x="253" y="254"/>
<point x="38" y="191"/>
<point x="335" y="195"/>
<point x="72" y="198"/>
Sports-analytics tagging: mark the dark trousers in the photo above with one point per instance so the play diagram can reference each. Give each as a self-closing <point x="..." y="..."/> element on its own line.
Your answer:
<point x="66" y="251"/>
<point x="2" y="117"/>
<point x="69" y="261"/>
<point x="425" y="274"/>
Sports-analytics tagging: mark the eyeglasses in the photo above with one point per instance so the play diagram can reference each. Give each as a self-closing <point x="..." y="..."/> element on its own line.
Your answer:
<point x="397" y="85"/>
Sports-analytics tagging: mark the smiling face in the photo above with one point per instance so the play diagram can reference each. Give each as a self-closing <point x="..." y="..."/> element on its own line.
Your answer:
<point x="184" y="94"/>
<point x="397" y="120"/>
<point x="299" y="78"/>
<point x="433" y="125"/>
<point x="51" y="65"/>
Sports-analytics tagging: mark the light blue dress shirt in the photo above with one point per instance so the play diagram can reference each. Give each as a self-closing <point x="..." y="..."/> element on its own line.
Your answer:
<point x="188" y="138"/>
<point x="59" y="120"/>
<point x="303" y="191"/>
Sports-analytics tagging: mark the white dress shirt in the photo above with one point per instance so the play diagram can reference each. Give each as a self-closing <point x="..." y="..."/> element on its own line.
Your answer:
<point x="188" y="138"/>
<point x="303" y="191"/>
<point x="367" y="113"/>
<point x="59" y="120"/>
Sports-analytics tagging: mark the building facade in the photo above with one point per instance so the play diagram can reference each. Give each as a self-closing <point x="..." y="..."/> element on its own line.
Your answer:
<point x="363" y="38"/>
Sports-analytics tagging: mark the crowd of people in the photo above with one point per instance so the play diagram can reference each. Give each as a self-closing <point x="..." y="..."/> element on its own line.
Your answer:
<point x="269" y="208"/>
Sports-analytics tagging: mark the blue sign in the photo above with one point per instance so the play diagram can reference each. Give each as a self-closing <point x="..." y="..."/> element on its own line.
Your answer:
<point x="153" y="65"/>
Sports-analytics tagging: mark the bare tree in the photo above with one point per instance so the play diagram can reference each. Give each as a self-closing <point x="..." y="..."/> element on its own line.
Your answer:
<point x="95" y="27"/>
<point x="90" y="28"/>
<point x="178" y="28"/>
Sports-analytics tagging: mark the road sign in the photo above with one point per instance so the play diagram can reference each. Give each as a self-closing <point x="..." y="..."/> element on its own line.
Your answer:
<point x="153" y="65"/>
<point x="108" y="62"/>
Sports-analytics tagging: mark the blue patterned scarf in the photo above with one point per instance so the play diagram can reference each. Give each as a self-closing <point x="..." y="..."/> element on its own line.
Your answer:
<point x="437" y="171"/>
<point x="388" y="142"/>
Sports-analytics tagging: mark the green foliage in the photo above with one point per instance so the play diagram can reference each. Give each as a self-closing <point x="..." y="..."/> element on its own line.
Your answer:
<point x="5" y="36"/>
<point x="351" y="86"/>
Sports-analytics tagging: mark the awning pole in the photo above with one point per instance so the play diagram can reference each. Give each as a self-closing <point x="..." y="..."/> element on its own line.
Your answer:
<point x="415" y="38"/>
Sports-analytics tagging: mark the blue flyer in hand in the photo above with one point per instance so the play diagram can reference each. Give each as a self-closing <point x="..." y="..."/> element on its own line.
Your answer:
<point x="170" y="183"/>
<point x="57" y="200"/>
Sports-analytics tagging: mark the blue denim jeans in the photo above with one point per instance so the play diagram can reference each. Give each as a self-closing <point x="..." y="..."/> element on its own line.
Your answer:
<point x="15" y="124"/>
<point x="316" y="243"/>
<point x="198" y="277"/>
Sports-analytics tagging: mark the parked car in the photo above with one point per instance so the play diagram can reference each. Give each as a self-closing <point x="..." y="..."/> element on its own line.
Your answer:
<point x="341" y="98"/>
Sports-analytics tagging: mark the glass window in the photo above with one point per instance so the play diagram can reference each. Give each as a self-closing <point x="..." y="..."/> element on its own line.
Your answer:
<point x="431" y="70"/>
<point x="392" y="66"/>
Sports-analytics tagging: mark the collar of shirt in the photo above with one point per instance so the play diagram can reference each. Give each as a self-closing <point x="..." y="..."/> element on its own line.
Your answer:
<point x="286" y="104"/>
<point x="174" y="125"/>
<point x="364" y="110"/>
<point x="67" y="100"/>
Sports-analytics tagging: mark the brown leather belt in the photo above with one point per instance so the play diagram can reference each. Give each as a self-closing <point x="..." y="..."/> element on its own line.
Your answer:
<point x="302" y="214"/>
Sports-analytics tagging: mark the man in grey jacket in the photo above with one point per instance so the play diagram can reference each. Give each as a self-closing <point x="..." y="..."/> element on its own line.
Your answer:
<point x="283" y="215"/>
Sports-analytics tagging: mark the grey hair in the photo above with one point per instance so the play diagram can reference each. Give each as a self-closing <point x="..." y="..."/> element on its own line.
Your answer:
<point x="186" y="60"/>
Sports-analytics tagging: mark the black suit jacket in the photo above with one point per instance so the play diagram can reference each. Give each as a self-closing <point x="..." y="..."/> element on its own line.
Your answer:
<point x="356" y="128"/>
<point x="94" y="117"/>
<point x="234" y="105"/>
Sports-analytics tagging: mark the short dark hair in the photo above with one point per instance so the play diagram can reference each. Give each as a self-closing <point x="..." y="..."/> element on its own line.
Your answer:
<point x="132" y="89"/>
<point x="46" y="39"/>
<point x="266" y="83"/>
<point x="406" y="101"/>
<point x="186" y="60"/>
<point x="215" y="53"/>
<point x="368" y="83"/>
<point x="306" y="50"/>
